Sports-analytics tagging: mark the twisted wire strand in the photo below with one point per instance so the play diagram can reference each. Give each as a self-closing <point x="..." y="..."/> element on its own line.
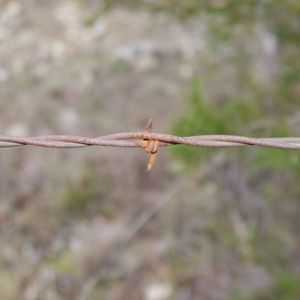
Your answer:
<point x="134" y="139"/>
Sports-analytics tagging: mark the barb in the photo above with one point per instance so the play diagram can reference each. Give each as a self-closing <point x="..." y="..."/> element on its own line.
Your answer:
<point x="148" y="141"/>
<point x="150" y="146"/>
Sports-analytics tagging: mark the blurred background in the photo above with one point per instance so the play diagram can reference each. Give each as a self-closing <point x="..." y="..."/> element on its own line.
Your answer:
<point x="92" y="223"/>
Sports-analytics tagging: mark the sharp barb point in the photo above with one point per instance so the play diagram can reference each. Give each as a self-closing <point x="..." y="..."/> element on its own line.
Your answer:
<point x="149" y="126"/>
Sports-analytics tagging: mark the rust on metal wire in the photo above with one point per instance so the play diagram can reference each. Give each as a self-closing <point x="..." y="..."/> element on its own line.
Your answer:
<point x="150" y="146"/>
<point x="148" y="141"/>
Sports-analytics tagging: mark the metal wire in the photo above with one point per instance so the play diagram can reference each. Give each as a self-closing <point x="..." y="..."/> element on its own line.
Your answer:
<point x="148" y="140"/>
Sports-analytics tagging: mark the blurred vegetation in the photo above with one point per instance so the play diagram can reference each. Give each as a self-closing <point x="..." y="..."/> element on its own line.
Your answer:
<point x="233" y="232"/>
<point x="85" y="196"/>
<point x="268" y="107"/>
<point x="275" y="101"/>
<point x="237" y="117"/>
<point x="232" y="117"/>
<point x="287" y="287"/>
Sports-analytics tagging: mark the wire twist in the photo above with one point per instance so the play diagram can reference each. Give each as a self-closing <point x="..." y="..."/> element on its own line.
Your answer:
<point x="148" y="141"/>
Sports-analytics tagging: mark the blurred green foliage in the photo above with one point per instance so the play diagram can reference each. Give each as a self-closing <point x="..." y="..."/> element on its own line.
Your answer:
<point x="234" y="10"/>
<point x="231" y="117"/>
<point x="80" y="195"/>
<point x="287" y="287"/>
<point x="273" y="103"/>
<point x="85" y="195"/>
<point x="63" y="263"/>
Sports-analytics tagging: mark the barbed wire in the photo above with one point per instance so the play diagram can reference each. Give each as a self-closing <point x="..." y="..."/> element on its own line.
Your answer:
<point x="149" y="141"/>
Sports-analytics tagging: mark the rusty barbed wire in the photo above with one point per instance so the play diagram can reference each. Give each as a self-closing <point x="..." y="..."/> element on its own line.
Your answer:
<point x="148" y="141"/>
